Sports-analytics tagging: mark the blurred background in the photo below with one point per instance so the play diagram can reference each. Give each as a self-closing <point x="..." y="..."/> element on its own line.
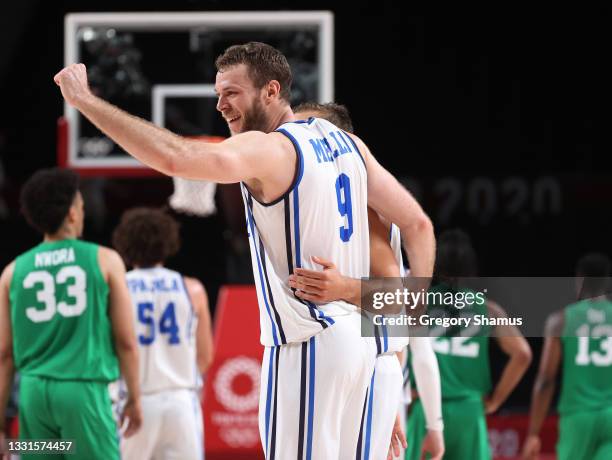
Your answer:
<point x="497" y="120"/>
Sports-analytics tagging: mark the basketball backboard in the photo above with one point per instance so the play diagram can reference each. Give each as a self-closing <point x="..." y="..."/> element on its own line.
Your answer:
<point x="160" y="66"/>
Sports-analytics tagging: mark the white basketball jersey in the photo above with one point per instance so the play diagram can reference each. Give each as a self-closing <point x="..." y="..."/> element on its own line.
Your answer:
<point x="324" y="214"/>
<point x="165" y="330"/>
<point x="395" y="240"/>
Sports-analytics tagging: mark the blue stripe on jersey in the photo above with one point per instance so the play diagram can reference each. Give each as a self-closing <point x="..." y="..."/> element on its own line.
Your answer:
<point x="275" y="411"/>
<point x="262" y="251"/>
<point x="368" y="436"/>
<point x="300" y="452"/>
<point x="314" y="311"/>
<point x="197" y="414"/>
<point x="360" y="439"/>
<point x="191" y="313"/>
<point x="262" y="285"/>
<point x="354" y="145"/>
<point x="391" y="233"/>
<point x="269" y="397"/>
<point x="377" y="338"/>
<point x="385" y="338"/>
<point x="298" y="149"/>
<point x="311" y="399"/>
<point x="309" y="121"/>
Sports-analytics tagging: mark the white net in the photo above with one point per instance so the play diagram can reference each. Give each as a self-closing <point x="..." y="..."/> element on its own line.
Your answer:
<point x="193" y="197"/>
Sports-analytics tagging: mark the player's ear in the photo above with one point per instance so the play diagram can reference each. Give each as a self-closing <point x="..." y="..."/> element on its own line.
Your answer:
<point x="273" y="90"/>
<point x="72" y="215"/>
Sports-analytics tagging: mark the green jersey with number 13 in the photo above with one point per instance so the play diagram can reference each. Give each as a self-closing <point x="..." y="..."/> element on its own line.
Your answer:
<point x="59" y="313"/>
<point x="587" y="356"/>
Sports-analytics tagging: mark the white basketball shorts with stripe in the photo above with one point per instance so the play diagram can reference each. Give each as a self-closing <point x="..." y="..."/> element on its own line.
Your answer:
<point x="171" y="428"/>
<point x="313" y="394"/>
<point x="382" y="403"/>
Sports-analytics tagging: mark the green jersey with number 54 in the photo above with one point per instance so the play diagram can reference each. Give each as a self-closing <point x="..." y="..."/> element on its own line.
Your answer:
<point x="59" y="313"/>
<point x="587" y="356"/>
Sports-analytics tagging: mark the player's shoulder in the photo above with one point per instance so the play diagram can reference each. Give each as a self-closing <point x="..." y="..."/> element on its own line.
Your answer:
<point x="197" y="293"/>
<point x="109" y="259"/>
<point x="194" y="285"/>
<point x="554" y="323"/>
<point x="7" y="274"/>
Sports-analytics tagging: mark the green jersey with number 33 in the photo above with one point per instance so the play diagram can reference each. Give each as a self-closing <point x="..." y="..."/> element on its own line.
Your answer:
<point x="59" y="313"/>
<point x="587" y="356"/>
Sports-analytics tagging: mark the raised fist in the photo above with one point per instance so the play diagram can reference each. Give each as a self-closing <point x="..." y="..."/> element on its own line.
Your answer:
<point x="72" y="80"/>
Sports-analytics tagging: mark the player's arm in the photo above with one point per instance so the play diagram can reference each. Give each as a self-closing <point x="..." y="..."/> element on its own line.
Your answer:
<point x="329" y="285"/>
<point x="124" y="335"/>
<point x="427" y="377"/>
<point x="392" y="201"/>
<point x="545" y="383"/>
<point x="6" y="342"/>
<point x="252" y="155"/>
<point x="513" y="344"/>
<point x="204" y="340"/>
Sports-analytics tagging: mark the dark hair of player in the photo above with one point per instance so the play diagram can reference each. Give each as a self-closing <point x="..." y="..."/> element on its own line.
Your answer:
<point x="595" y="268"/>
<point x="264" y="62"/>
<point x="337" y="114"/>
<point x="46" y="198"/>
<point x="455" y="255"/>
<point x="146" y="237"/>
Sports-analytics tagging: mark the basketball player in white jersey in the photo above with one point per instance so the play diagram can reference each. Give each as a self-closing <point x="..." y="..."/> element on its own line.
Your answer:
<point x="174" y="336"/>
<point x="306" y="187"/>
<point x="386" y="260"/>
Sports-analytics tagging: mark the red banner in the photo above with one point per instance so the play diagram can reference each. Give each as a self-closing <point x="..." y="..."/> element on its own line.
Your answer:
<point x="231" y="395"/>
<point x="507" y="435"/>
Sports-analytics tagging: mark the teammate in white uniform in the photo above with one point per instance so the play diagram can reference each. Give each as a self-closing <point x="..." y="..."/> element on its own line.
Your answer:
<point x="387" y="400"/>
<point x="174" y="336"/>
<point x="306" y="188"/>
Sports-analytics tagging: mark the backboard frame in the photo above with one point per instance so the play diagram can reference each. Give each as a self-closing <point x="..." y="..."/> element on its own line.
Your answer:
<point x="69" y="124"/>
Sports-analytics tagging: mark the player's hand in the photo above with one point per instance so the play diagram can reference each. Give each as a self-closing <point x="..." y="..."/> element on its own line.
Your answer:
<point x="531" y="448"/>
<point x="318" y="286"/>
<point x="433" y="444"/>
<point x="133" y="413"/>
<point x="398" y="437"/>
<point x="72" y="80"/>
<point x="490" y="405"/>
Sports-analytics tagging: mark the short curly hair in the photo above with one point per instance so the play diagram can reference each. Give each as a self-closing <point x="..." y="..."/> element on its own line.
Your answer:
<point x="46" y="198"/>
<point x="146" y="237"/>
<point x="264" y="62"/>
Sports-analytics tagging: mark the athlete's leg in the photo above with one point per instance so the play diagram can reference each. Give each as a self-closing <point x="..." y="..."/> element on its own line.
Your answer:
<point x="465" y="430"/>
<point x="386" y="384"/>
<point x="181" y="436"/>
<point x="307" y="388"/>
<point x="145" y="442"/>
<point x="416" y="430"/>
<point x="576" y="436"/>
<point x="604" y="442"/>
<point x="35" y="419"/>
<point x="84" y="414"/>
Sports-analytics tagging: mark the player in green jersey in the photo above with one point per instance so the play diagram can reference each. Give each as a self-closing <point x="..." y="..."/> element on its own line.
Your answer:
<point x="579" y="339"/>
<point x="463" y="360"/>
<point x="65" y="318"/>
